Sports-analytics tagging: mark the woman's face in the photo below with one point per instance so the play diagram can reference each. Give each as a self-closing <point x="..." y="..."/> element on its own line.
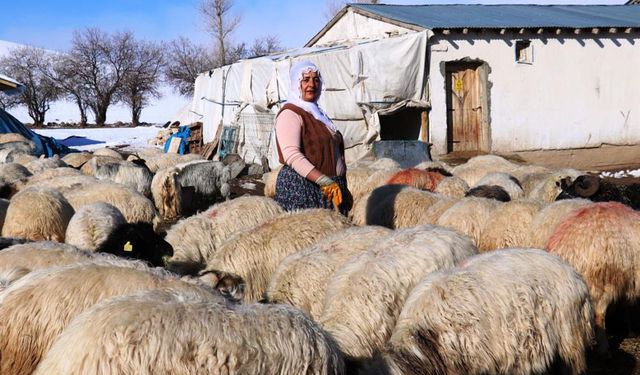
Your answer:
<point x="310" y="87"/>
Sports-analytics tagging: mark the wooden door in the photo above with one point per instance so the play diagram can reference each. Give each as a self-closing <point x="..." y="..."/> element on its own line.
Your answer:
<point x="466" y="108"/>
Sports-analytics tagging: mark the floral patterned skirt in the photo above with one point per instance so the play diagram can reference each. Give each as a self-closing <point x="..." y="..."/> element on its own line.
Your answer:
<point x="294" y="192"/>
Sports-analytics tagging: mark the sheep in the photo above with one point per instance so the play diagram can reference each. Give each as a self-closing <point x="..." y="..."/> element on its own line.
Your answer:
<point x="39" y="165"/>
<point x="196" y="238"/>
<point x="384" y="164"/>
<point x="167" y="193"/>
<point x="254" y="254"/>
<point x="301" y="278"/>
<point x="490" y="192"/>
<point x="513" y="311"/>
<point x="134" y="206"/>
<point x="51" y="173"/>
<point x="125" y="173"/>
<point x="12" y="172"/>
<point x="137" y="241"/>
<point x="509" y="225"/>
<point x="356" y="177"/>
<point x="545" y="221"/>
<point x="10" y="150"/>
<point x="160" y="161"/>
<point x="13" y="137"/>
<point x="598" y="190"/>
<point x="15" y="155"/>
<point x="38" y="214"/>
<point x="394" y="206"/>
<point x="38" y="306"/>
<point x="377" y="179"/>
<point x="180" y="332"/>
<point x="365" y="296"/>
<point x="65" y="184"/>
<point x="270" y="179"/>
<point x="434" y="164"/>
<point x="90" y="226"/>
<point x="469" y="215"/>
<point x="4" y="205"/>
<point x="208" y="181"/>
<point x="478" y="166"/>
<point x="89" y="167"/>
<point x="548" y="188"/>
<point x="602" y="242"/>
<point x="452" y="187"/>
<point x="506" y="181"/>
<point x="419" y="178"/>
<point x="105" y="151"/>
<point x="521" y="171"/>
<point x="77" y="159"/>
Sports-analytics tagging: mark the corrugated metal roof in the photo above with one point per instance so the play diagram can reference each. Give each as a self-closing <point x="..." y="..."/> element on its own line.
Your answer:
<point x="507" y="16"/>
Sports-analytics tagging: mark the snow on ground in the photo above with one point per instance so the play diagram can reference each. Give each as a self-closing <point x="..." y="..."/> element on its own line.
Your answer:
<point x="90" y="139"/>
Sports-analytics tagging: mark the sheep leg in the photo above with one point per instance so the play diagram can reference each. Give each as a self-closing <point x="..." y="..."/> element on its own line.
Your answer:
<point x="601" y="333"/>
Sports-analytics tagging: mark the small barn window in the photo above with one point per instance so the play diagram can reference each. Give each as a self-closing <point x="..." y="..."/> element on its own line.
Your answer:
<point x="524" y="51"/>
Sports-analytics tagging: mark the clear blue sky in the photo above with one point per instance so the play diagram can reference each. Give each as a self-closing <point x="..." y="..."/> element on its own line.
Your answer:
<point x="50" y="23"/>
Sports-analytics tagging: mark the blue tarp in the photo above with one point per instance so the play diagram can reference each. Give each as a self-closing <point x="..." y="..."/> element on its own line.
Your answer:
<point x="44" y="145"/>
<point x="183" y="133"/>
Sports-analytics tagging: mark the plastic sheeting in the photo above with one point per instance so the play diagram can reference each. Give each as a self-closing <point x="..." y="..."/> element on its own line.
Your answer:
<point x="43" y="145"/>
<point x="361" y="81"/>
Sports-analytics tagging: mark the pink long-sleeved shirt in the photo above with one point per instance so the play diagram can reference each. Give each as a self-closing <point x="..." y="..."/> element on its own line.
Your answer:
<point x="288" y="133"/>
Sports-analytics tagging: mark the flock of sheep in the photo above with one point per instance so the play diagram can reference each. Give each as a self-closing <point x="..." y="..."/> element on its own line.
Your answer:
<point x="472" y="269"/>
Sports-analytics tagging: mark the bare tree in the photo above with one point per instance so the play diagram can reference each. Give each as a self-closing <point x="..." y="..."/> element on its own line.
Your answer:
<point x="221" y="23"/>
<point x="60" y="71"/>
<point x="334" y="6"/>
<point x="101" y="62"/>
<point x="184" y="61"/>
<point x="142" y="81"/>
<point x="264" y="46"/>
<point x="9" y="101"/>
<point x="22" y="64"/>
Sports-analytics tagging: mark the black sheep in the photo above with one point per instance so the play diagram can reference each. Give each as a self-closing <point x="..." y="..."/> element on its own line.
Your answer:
<point x="137" y="241"/>
<point x="598" y="190"/>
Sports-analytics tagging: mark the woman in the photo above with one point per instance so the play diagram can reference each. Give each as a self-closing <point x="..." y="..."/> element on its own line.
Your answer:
<point x="310" y="147"/>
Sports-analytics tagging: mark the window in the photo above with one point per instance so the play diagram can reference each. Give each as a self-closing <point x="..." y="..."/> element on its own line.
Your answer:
<point x="524" y="52"/>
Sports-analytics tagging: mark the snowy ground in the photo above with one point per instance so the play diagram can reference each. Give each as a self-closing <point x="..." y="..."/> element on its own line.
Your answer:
<point x="94" y="138"/>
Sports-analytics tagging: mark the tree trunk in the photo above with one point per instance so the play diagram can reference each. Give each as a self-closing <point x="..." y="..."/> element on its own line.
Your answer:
<point x="136" y="110"/>
<point x="101" y="116"/>
<point x="83" y="112"/>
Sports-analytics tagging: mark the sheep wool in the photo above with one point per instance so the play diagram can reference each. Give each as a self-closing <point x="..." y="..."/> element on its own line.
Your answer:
<point x="365" y="296"/>
<point x="506" y="181"/>
<point x="41" y="304"/>
<point x="602" y="242"/>
<point x="38" y="215"/>
<point x="270" y="179"/>
<point x="77" y="159"/>
<point x="417" y="178"/>
<point x="33" y="256"/>
<point x="505" y="312"/>
<point x="546" y="220"/>
<point x="301" y="278"/>
<point x="178" y="332"/>
<point x="195" y="239"/>
<point x="469" y="216"/>
<point x="479" y="166"/>
<point x="509" y="225"/>
<point x="254" y="254"/>
<point x="548" y="188"/>
<point x="39" y="165"/>
<point x="90" y="226"/>
<point x="452" y="187"/>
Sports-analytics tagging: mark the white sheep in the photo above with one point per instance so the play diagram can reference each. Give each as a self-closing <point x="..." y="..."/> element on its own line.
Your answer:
<point x="125" y="173"/>
<point x="180" y="332"/>
<point x="167" y="193"/>
<point x="77" y="159"/>
<point x="41" y="164"/>
<point x="548" y="188"/>
<point x="37" y="214"/>
<point x="254" y="254"/>
<point x="506" y="181"/>
<point x="452" y="187"/>
<point x="156" y="162"/>
<point x="90" y="226"/>
<point x="301" y="278"/>
<point x="602" y="242"/>
<point x="546" y="220"/>
<point x="105" y="151"/>
<point x="195" y="239"/>
<point x="478" y="166"/>
<point x="469" y="216"/>
<point x="509" y="224"/>
<point x="134" y="206"/>
<point x="37" y="307"/>
<point x="365" y="296"/>
<point x="270" y="179"/>
<point x="512" y="311"/>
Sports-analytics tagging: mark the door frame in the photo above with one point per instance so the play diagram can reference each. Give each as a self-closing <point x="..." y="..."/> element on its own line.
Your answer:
<point x="484" y="141"/>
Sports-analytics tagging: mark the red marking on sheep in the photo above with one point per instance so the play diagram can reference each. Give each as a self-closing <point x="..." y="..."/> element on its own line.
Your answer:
<point x="417" y="178"/>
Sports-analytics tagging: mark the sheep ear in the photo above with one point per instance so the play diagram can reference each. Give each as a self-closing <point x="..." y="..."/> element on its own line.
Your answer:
<point x="229" y="284"/>
<point x="587" y="186"/>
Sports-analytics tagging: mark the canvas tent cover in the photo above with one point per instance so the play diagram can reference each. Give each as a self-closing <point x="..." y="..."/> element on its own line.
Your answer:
<point x="362" y="80"/>
<point x="44" y="145"/>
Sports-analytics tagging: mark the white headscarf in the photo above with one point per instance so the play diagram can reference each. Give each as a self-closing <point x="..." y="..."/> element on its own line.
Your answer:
<point x="295" y="96"/>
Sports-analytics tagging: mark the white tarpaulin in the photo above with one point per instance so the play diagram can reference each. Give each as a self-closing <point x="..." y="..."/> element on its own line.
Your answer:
<point x="361" y="80"/>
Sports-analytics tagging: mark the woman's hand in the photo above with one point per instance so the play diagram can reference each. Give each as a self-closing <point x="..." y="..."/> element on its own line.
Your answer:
<point x="333" y="194"/>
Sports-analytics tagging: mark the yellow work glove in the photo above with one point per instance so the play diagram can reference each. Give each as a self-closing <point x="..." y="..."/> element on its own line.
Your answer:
<point x="331" y="190"/>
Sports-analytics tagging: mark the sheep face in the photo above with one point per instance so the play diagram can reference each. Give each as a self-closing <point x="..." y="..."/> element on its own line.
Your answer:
<point x="228" y="284"/>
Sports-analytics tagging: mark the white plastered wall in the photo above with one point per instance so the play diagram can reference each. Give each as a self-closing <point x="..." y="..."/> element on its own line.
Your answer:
<point x="579" y="91"/>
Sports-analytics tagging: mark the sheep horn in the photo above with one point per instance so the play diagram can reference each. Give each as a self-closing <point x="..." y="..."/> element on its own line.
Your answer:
<point x="587" y="186"/>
